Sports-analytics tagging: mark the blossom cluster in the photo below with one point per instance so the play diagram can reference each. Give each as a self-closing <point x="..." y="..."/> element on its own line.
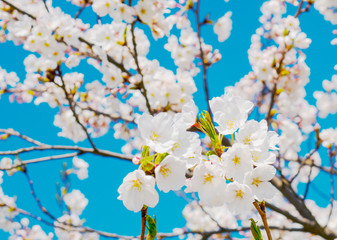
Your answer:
<point x="235" y="174"/>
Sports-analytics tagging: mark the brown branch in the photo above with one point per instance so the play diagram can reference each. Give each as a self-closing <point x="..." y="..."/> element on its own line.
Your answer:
<point x="18" y="9"/>
<point x="285" y="188"/>
<point x="110" y="59"/>
<point x="65" y="227"/>
<point x="135" y="56"/>
<point x="272" y="101"/>
<point x="306" y="162"/>
<point x="302" y="10"/>
<point x="143" y="217"/>
<point x="261" y="209"/>
<point x="70" y="99"/>
<point x="80" y="10"/>
<point x="45" y="5"/>
<point x="332" y="197"/>
<point x="42" y="159"/>
<point x="209" y="215"/>
<point x="308" y="184"/>
<point x="288" y="215"/>
<point x="203" y="60"/>
<point x="223" y="230"/>
<point x="79" y="151"/>
<point x="37" y="200"/>
<point x="97" y="151"/>
<point x="113" y="118"/>
<point x="12" y="132"/>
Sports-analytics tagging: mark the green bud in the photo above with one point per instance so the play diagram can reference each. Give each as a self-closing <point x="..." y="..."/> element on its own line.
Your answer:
<point x="255" y="230"/>
<point x="160" y="158"/>
<point x="207" y="126"/>
<point x="147" y="165"/>
<point x="145" y="151"/>
<point x="210" y="152"/>
<point x="151" y="227"/>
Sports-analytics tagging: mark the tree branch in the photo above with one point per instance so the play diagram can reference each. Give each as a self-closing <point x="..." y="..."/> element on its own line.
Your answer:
<point x="262" y="212"/>
<point x="12" y="132"/>
<point x="203" y="60"/>
<point x="135" y="56"/>
<point x="72" y="107"/>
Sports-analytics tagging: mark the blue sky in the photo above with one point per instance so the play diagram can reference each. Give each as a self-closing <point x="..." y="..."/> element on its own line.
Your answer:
<point x="104" y="211"/>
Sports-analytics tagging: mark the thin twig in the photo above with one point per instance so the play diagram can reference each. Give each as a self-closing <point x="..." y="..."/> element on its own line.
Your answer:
<point x="263" y="215"/>
<point x="12" y="132"/>
<point x="37" y="200"/>
<point x="135" y="56"/>
<point x="69" y="97"/>
<point x="18" y="9"/>
<point x="97" y="151"/>
<point x="143" y="217"/>
<point x="308" y="184"/>
<point x="302" y="10"/>
<point x="202" y="56"/>
<point x="45" y="5"/>
<point x="332" y="197"/>
<point x="80" y="11"/>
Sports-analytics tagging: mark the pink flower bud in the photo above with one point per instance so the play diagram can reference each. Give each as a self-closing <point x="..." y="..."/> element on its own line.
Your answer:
<point x="136" y="160"/>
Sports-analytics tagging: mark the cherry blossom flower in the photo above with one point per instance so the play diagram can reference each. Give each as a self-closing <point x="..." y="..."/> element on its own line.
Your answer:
<point x="138" y="190"/>
<point x="239" y="197"/>
<point x="170" y="174"/>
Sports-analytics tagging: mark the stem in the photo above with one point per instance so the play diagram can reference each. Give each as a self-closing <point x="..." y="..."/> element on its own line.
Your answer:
<point x="135" y="56"/>
<point x="262" y="213"/>
<point x="272" y="101"/>
<point x="70" y="99"/>
<point x="18" y="9"/>
<point x="204" y="66"/>
<point x="143" y="212"/>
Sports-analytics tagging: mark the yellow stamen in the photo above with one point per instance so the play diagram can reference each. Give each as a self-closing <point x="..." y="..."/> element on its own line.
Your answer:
<point x="247" y="140"/>
<point x="230" y="124"/>
<point x="256" y="156"/>
<point x="175" y="146"/>
<point x="236" y="160"/>
<point x="239" y="194"/>
<point x="154" y="136"/>
<point x="143" y="11"/>
<point x="165" y="171"/>
<point x="256" y="181"/>
<point x="137" y="184"/>
<point x="208" y="178"/>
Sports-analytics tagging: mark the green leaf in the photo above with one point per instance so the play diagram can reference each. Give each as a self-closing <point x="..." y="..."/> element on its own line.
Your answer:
<point x="208" y="128"/>
<point x="210" y="152"/>
<point x="160" y="158"/>
<point x="151" y="227"/>
<point x="147" y="165"/>
<point x="255" y="230"/>
<point x="145" y="151"/>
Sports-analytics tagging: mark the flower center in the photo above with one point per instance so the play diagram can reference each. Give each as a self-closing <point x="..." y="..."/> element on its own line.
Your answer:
<point x="175" y="146"/>
<point x="208" y="178"/>
<point x="137" y="184"/>
<point x="239" y="194"/>
<point x="256" y="181"/>
<point x="236" y="160"/>
<point x="256" y="156"/>
<point x="165" y="171"/>
<point x="247" y="140"/>
<point x="230" y="124"/>
<point x="154" y="136"/>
